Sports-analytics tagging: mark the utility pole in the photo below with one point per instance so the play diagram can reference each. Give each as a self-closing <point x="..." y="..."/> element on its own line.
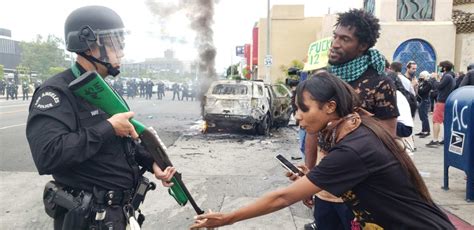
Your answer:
<point x="268" y="56"/>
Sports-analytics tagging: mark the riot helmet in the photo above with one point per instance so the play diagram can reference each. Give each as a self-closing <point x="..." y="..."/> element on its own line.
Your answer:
<point x="93" y="27"/>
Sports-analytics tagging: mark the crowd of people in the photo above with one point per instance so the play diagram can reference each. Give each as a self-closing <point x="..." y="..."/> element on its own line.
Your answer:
<point x="9" y="89"/>
<point x="144" y="89"/>
<point x="427" y="94"/>
<point x="360" y="101"/>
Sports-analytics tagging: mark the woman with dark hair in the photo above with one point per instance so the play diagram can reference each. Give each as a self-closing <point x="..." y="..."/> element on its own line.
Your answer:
<point x="365" y="166"/>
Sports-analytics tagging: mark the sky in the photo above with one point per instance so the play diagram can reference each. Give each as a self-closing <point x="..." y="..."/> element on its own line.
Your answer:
<point x="233" y="23"/>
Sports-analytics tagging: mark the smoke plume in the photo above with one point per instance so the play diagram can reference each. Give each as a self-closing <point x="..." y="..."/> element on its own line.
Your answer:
<point x="200" y="13"/>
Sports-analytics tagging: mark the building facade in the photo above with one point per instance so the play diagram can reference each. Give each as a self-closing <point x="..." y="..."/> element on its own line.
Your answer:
<point x="168" y="64"/>
<point x="463" y="19"/>
<point x="424" y="31"/>
<point x="10" y="53"/>
<point x="290" y="35"/>
<point x="417" y="30"/>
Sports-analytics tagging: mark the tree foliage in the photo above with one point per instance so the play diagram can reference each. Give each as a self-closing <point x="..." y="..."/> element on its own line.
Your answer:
<point x="232" y="71"/>
<point x="23" y="73"/>
<point x="43" y="54"/>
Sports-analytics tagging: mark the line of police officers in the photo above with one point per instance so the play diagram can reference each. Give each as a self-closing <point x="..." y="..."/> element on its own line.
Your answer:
<point x="144" y="89"/>
<point x="10" y="89"/>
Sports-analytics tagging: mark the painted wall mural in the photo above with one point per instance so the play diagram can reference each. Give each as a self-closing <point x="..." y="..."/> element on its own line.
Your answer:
<point x="415" y="10"/>
<point x="369" y="6"/>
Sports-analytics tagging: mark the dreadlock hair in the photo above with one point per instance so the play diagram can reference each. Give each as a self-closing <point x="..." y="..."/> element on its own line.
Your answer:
<point x="366" y="25"/>
<point x="324" y="87"/>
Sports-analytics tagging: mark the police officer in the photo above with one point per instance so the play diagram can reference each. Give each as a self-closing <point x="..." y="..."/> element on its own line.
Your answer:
<point x="25" y="89"/>
<point x="142" y="86"/>
<point x="149" y="89"/>
<point x="2" y="87"/>
<point x="14" y="91"/>
<point x="9" y="90"/>
<point x="88" y="153"/>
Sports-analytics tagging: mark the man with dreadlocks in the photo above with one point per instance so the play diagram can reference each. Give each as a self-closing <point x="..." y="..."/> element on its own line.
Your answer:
<point x="352" y="58"/>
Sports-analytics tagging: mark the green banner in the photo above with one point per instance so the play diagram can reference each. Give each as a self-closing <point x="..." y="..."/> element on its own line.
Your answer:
<point x="318" y="54"/>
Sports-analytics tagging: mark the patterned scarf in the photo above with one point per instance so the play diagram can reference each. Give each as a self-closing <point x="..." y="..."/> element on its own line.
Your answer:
<point x="336" y="130"/>
<point x="352" y="70"/>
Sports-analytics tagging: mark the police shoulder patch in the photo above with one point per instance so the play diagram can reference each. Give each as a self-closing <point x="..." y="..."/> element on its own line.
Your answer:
<point x="47" y="99"/>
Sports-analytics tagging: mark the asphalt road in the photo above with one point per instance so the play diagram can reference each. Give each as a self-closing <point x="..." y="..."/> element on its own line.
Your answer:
<point x="168" y="117"/>
<point x="15" y="154"/>
<point x="222" y="171"/>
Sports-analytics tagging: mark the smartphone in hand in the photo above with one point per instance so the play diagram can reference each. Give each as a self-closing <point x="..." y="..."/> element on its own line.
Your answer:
<point x="288" y="165"/>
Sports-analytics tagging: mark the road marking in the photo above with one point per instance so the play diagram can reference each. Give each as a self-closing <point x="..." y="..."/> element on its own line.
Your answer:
<point x="11" y="126"/>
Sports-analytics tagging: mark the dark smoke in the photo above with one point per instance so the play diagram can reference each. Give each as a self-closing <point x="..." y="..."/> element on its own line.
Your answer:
<point x="200" y="13"/>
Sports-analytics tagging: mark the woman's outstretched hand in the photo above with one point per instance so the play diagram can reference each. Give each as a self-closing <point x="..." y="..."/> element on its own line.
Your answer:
<point x="210" y="220"/>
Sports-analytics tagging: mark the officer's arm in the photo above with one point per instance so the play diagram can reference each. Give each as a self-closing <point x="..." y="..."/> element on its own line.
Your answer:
<point x="55" y="141"/>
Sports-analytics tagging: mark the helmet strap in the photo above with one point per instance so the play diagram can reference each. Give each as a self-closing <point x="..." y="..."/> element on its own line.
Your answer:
<point x="112" y="71"/>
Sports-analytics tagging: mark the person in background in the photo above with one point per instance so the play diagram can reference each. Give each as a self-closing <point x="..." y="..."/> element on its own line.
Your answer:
<point x="434" y="81"/>
<point x="410" y="97"/>
<point x="405" y="120"/>
<point x="459" y="77"/>
<point x="161" y="90"/>
<point x="185" y="92"/>
<point x="397" y="68"/>
<point x="411" y="74"/>
<point x="148" y="89"/>
<point x="3" y="84"/>
<point x="118" y="86"/>
<point x="25" y="87"/>
<point x="15" y="91"/>
<point x="424" y="89"/>
<point x="142" y="88"/>
<point x="9" y="89"/>
<point x="445" y="87"/>
<point x="175" y="89"/>
<point x="469" y="78"/>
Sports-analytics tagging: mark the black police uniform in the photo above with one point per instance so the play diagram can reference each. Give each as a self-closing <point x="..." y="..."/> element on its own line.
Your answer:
<point x="73" y="141"/>
<point x="25" y="88"/>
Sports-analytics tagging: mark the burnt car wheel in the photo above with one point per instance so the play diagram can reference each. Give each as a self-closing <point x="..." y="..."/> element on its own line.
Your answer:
<point x="264" y="127"/>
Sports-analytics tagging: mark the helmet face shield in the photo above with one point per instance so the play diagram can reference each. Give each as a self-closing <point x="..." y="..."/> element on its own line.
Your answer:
<point x="111" y="44"/>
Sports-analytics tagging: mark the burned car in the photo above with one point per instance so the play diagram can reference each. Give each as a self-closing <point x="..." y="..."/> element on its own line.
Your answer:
<point x="237" y="104"/>
<point x="280" y="104"/>
<point x="246" y="105"/>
